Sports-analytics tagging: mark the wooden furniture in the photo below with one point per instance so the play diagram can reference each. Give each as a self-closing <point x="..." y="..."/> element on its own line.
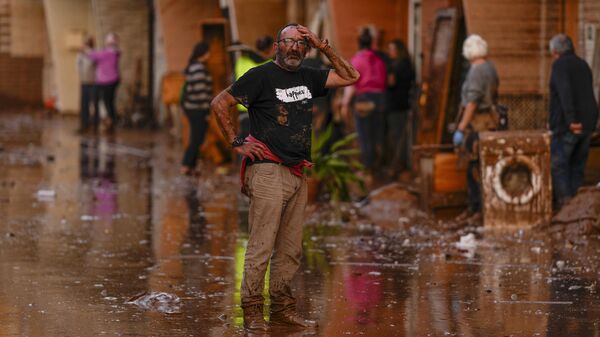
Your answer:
<point x="440" y="91"/>
<point x="442" y="176"/>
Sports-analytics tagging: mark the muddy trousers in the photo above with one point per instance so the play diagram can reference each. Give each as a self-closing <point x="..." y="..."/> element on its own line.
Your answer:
<point x="276" y="216"/>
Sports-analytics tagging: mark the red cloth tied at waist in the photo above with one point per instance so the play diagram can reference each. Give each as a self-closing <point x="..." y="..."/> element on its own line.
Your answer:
<point x="296" y="170"/>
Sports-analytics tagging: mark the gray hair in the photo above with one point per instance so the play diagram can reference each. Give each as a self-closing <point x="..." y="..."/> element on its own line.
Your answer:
<point x="561" y="43"/>
<point x="474" y="47"/>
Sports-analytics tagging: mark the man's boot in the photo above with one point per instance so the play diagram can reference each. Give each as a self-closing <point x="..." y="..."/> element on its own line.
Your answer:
<point x="254" y="319"/>
<point x="290" y="317"/>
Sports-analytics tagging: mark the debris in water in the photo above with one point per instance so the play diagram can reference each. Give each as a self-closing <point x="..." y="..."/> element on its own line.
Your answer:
<point x="157" y="301"/>
<point x="535" y="302"/>
<point x="467" y="245"/>
<point x="46" y="195"/>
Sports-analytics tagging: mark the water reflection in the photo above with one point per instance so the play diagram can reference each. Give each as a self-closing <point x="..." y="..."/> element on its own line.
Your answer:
<point x="196" y="220"/>
<point x="97" y="166"/>
<point x="123" y="223"/>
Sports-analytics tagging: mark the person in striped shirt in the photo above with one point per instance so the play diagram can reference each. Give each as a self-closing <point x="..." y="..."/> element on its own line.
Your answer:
<point x="197" y="94"/>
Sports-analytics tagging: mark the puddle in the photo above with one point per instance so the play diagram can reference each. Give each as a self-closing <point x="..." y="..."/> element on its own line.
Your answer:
<point x="122" y="222"/>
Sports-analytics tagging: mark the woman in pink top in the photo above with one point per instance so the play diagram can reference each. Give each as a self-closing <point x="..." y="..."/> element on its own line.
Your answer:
<point x="107" y="74"/>
<point x="367" y="99"/>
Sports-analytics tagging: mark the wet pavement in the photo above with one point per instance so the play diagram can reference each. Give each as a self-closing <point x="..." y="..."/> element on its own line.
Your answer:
<point x="100" y="236"/>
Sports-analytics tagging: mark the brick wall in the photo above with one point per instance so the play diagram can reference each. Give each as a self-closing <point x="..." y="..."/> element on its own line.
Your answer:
<point x="20" y="77"/>
<point x="21" y="81"/>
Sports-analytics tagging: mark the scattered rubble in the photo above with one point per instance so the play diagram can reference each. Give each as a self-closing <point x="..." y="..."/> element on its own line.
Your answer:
<point x="157" y="301"/>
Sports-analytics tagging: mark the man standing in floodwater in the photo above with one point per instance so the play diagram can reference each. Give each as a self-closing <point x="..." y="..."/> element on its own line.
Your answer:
<point x="573" y="118"/>
<point x="278" y="96"/>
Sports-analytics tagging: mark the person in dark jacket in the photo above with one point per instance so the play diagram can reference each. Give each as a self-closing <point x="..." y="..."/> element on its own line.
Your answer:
<point x="196" y="103"/>
<point x="401" y="78"/>
<point x="573" y="118"/>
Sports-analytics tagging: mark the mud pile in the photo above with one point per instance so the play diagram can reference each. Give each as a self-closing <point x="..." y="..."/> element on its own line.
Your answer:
<point x="580" y="216"/>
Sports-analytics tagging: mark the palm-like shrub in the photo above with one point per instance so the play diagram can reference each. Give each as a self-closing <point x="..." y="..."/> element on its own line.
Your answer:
<point x="335" y="166"/>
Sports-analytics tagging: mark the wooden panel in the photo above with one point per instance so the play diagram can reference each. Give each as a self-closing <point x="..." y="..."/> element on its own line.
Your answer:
<point x="571" y="19"/>
<point x="439" y="80"/>
<point x="517" y="33"/>
<point x="447" y="175"/>
<point x="429" y="9"/>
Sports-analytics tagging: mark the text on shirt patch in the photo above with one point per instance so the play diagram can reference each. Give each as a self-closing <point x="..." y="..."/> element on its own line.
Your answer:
<point x="293" y="94"/>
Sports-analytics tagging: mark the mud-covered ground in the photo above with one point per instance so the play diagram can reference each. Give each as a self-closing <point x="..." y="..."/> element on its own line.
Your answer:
<point x="100" y="236"/>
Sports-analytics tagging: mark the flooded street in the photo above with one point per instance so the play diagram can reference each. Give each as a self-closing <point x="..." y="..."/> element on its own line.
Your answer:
<point x="100" y="236"/>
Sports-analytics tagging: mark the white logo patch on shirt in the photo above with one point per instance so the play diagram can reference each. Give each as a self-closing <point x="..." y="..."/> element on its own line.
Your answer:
<point x="293" y="94"/>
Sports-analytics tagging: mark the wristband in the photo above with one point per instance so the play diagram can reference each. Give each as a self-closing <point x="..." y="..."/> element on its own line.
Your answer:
<point x="237" y="141"/>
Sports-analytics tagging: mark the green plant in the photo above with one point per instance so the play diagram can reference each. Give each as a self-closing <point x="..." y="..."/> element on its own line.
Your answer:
<point x="336" y="167"/>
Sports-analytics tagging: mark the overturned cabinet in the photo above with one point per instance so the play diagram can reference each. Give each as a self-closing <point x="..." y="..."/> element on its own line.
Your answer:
<point x="515" y="175"/>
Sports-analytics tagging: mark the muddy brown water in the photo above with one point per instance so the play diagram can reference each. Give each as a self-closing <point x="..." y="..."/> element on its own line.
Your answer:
<point x="91" y="224"/>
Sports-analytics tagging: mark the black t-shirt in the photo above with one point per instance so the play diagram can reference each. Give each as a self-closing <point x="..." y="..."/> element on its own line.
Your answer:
<point x="279" y="103"/>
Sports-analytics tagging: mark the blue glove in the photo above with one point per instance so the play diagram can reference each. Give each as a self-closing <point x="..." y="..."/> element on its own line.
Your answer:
<point x="458" y="137"/>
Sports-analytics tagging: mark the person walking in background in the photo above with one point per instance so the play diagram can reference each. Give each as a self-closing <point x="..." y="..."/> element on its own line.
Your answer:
<point x="478" y="97"/>
<point x="573" y="117"/>
<point x="86" y="69"/>
<point x="367" y="100"/>
<point x="401" y="78"/>
<point x="278" y="96"/>
<point x="107" y="75"/>
<point x="197" y="93"/>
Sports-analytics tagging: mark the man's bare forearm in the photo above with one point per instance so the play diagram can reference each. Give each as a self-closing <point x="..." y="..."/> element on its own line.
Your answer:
<point x="342" y="67"/>
<point x="220" y="106"/>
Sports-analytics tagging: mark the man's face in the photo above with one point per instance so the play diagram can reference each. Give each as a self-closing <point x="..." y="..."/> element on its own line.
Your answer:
<point x="291" y="49"/>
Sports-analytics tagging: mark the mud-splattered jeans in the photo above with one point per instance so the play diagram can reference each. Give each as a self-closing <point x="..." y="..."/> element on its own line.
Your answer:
<point x="568" y="153"/>
<point x="276" y="216"/>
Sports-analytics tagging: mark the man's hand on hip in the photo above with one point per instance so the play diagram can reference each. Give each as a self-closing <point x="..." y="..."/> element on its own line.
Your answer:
<point x="251" y="150"/>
